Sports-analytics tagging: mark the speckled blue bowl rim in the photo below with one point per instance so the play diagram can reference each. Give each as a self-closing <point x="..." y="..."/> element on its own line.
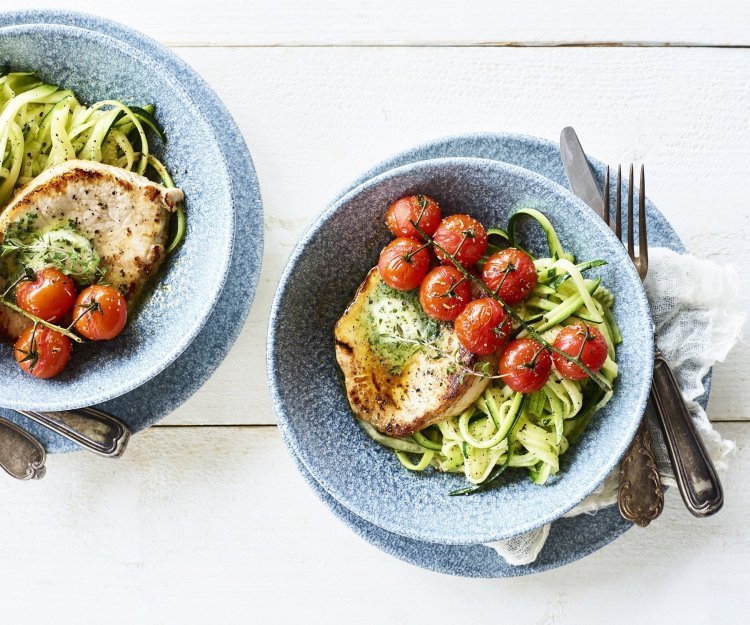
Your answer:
<point x="164" y="393"/>
<point x="475" y="535"/>
<point x="477" y="560"/>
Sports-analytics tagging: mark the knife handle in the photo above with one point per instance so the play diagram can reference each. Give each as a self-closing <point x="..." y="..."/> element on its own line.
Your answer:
<point x="91" y="428"/>
<point x="21" y="455"/>
<point x="696" y="475"/>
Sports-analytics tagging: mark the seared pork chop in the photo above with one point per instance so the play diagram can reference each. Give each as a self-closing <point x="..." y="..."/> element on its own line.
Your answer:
<point x="400" y="366"/>
<point x="110" y="215"/>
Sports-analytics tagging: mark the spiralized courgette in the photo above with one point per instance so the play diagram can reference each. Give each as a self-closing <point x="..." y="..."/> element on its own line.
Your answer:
<point x="42" y="125"/>
<point x="503" y="428"/>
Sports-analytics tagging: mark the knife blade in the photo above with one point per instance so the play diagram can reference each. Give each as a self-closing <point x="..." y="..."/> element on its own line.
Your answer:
<point x="578" y="170"/>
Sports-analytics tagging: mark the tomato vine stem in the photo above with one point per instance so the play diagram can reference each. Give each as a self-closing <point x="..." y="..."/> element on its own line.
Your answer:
<point x="42" y="322"/>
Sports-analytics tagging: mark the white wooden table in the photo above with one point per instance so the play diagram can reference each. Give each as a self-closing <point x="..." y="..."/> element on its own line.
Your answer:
<point x="205" y="519"/>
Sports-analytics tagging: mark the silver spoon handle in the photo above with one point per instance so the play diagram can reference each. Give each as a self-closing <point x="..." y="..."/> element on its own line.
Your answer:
<point x="21" y="455"/>
<point x="91" y="428"/>
<point x="695" y="473"/>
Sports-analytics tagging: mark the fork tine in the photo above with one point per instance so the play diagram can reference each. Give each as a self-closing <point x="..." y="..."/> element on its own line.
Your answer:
<point x="631" y="225"/>
<point x="642" y="234"/>
<point x="606" y="196"/>
<point x="618" y="204"/>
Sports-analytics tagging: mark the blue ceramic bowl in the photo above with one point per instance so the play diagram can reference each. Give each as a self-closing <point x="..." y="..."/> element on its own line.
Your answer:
<point x="96" y="66"/>
<point x="324" y="271"/>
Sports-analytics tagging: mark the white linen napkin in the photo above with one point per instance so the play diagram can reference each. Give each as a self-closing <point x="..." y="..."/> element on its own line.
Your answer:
<point x="693" y="302"/>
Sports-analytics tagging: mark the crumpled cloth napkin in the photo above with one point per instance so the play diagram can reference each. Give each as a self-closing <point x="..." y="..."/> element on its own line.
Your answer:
<point x="693" y="303"/>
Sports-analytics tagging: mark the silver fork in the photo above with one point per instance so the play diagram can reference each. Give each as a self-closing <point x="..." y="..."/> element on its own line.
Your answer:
<point x="640" y="497"/>
<point x="695" y="474"/>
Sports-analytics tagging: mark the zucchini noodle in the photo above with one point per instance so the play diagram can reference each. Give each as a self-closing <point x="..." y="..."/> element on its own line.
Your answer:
<point x="42" y="125"/>
<point x="504" y="428"/>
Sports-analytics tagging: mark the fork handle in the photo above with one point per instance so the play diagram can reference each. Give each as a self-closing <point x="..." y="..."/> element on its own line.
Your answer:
<point x="640" y="497"/>
<point x="91" y="428"/>
<point x="695" y="473"/>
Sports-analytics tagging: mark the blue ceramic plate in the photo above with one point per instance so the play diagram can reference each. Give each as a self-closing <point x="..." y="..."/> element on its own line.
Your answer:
<point x="161" y="395"/>
<point x="323" y="273"/>
<point x="570" y="539"/>
<point x="98" y="67"/>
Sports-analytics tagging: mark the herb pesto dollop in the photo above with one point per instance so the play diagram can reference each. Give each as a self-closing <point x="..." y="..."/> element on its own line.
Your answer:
<point x="60" y="245"/>
<point x="396" y="325"/>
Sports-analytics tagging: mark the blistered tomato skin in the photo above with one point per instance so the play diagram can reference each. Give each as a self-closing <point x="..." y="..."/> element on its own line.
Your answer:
<point x="462" y="236"/>
<point x="584" y="341"/>
<point x="49" y="296"/>
<point x="100" y="313"/>
<point x="403" y="263"/>
<point x="42" y="352"/>
<point x="511" y="274"/>
<point x="444" y="293"/>
<point x="420" y="209"/>
<point x="483" y="326"/>
<point x="525" y="365"/>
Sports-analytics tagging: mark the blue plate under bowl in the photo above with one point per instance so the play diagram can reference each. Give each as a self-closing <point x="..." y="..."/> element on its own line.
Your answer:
<point x="569" y="538"/>
<point x="325" y="269"/>
<point x="96" y="67"/>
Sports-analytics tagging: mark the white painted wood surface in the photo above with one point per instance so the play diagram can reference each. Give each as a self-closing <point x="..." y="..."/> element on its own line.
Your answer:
<point x="204" y="526"/>
<point x="209" y="522"/>
<point x="427" y="22"/>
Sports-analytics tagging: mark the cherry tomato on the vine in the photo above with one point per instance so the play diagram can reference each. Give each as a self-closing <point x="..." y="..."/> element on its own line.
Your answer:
<point x="42" y="352"/>
<point x="525" y="365"/>
<point x="580" y="341"/>
<point x="49" y="296"/>
<point x="462" y="236"/>
<point x="100" y="313"/>
<point x="420" y="209"/>
<point x="510" y="273"/>
<point x="483" y="326"/>
<point x="403" y="263"/>
<point x="444" y="293"/>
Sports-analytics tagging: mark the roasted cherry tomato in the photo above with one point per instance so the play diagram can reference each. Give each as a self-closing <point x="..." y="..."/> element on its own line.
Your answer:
<point x="49" y="296"/>
<point x="511" y="274"/>
<point x="463" y="236"/>
<point x="580" y="341"/>
<point x="444" y="293"/>
<point x="42" y="352"/>
<point x="525" y="365"/>
<point x="403" y="263"/>
<point x="420" y="209"/>
<point x="100" y="313"/>
<point x="483" y="326"/>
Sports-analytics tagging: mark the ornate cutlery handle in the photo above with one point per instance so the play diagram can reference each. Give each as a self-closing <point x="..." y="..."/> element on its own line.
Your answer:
<point x="695" y="473"/>
<point x="21" y="455"/>
<point x="641" y="498"/>
<point x="91" y="428"/>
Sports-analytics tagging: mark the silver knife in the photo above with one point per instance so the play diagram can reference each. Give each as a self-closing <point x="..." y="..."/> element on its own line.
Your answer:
<point x="580" y="176"/>
<point x="640" y="495"/>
